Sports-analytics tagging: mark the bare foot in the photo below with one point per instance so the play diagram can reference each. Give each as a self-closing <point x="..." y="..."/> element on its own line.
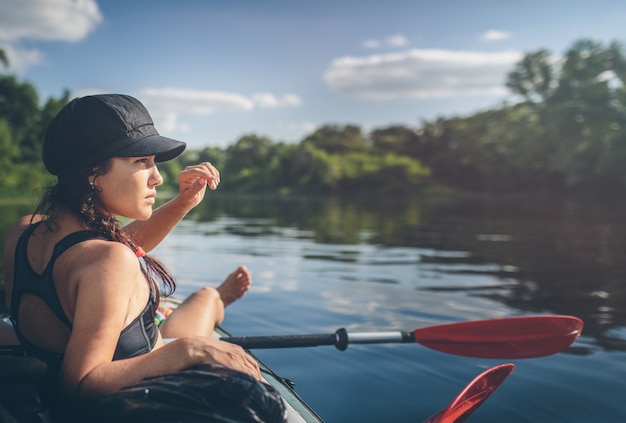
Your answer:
<point x="235" y="285"/>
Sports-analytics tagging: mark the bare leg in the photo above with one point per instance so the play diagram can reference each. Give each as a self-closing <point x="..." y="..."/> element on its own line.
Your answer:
<point x="204" y="309"/>
<point x="196" y="316"/>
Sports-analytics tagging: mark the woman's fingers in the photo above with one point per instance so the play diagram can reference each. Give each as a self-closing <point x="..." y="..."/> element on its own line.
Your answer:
<point x="193" y="180"/>
<point x="248" y="364"/>
<point x="203" y="171"/>
<point x="233" y="356"/>
<point x="253" y="368"/>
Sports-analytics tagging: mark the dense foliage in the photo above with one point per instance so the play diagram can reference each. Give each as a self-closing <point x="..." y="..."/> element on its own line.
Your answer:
<point x="566" y="134"/>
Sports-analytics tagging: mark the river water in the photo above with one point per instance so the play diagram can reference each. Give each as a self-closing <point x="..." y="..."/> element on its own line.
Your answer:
<point x="319" y="265"/>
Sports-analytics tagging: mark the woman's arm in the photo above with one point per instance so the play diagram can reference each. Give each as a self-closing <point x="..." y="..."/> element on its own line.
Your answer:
<point x="110" y="290"/>
<point x="192" y="182"/>
<point x="110" y="376"/>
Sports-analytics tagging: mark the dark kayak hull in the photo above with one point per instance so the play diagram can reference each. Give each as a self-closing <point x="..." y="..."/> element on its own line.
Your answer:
<point x="298" y="410"/>
<point x="19" y="400"/>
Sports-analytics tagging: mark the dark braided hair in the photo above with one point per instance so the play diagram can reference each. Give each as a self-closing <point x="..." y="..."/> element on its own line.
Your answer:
<point x="77" y="195"/>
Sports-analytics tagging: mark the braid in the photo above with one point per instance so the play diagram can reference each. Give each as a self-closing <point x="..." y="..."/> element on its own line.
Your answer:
<point x="78" y="195"/>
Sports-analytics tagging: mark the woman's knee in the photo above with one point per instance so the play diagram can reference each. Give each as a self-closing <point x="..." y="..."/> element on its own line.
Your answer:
<point x="207" y="301"/>
<point x="197" y="315"/>
<point x="206" y="295"/>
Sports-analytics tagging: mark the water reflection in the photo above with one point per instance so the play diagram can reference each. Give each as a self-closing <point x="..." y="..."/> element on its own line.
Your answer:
<point x="544" y="256"/>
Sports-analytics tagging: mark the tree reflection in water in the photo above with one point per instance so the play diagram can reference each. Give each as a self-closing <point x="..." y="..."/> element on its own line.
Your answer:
<point x="552" y="256"/>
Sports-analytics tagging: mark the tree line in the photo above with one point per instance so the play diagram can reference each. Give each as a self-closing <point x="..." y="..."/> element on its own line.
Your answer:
<point x="566" y="134"/>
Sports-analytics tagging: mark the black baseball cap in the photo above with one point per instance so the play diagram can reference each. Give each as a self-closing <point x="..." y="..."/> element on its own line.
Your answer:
<point x="93" y="128"/>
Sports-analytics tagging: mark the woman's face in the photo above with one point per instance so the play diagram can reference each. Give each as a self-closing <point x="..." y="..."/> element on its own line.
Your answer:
<point x="128" y="188"/>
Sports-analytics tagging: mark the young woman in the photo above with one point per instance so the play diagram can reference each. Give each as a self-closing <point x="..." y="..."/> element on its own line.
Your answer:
<point x="81" y="292"/>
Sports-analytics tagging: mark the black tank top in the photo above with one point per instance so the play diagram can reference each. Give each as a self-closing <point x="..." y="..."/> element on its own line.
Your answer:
<point x="139" y="337"/>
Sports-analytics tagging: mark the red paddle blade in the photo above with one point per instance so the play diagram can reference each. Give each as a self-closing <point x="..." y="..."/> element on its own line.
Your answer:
<point x="508" y="338"/>
<point x="473" y="395"/>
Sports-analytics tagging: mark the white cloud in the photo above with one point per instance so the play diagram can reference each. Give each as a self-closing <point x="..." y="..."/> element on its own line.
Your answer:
<point x="167" y="122"/>
<point x="397" y="40"/>
<point x="47" y="20"/>
<point x="59" y="20"/>
<point x="421" y="73"/>
<point x="194" y="102"/>
<point x="495" y="35"/>
<point x="21" y="58"/>
<point x="167" y="105"/>
<point x="270" y="101"/>
<point x="372" y="43"/>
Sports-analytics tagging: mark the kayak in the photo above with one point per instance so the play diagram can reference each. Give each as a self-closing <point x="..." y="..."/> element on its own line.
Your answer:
<point x="298" y="411"/>
<point x="19" y="373"/>
<point x="510" y="338"/>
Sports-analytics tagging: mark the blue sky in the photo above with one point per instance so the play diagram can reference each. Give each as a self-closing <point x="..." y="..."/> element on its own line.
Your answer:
<point x="212" y="71"/>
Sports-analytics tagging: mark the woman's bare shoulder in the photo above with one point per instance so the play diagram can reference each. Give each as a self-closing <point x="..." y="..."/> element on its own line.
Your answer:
<point x="99" y="257"/>
<point x="25" y="221"/>
<point x="100" y="267"/>
<point x="106" y="252"/>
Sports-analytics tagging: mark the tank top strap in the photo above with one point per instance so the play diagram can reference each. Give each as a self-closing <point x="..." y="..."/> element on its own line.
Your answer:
<point x="71" y="240"/>
<point x="63" y="245"/>
<point x="21" y="265"/>
<point x="26" y="280"/>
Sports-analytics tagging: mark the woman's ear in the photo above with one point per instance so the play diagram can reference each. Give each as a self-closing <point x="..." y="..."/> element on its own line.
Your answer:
<point x="92" y="179"/>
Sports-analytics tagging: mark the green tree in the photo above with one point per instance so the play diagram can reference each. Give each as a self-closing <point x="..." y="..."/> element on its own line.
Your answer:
<point x="533" y="77"/>
<point x="9" y="152"/>
<point x="395" y="139"/>
<point x="214" y="155"/>
<point x="335" y="139"/>
<point x="585" y="111"/>
<point x="18" y="111"/>
<point x="19" y="106"/>
<point x="23" y="125"/>
<point x="251" y="164"/>
<point x="31" y="149"/>
<point x="362" y="173"/>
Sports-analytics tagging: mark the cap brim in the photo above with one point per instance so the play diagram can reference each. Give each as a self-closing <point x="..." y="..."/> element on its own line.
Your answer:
<point x="161" y="147"/>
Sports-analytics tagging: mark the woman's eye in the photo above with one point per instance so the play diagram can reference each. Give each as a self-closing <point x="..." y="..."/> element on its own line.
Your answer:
<point x="145" y="161"/>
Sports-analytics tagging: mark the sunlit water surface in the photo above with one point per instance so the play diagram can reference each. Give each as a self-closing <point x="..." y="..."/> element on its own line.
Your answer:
<point x="314" y="277"/>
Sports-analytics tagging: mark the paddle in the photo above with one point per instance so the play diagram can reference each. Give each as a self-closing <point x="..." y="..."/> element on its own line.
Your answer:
<point x="511" y="337"/>
<point x="473" y="395"/>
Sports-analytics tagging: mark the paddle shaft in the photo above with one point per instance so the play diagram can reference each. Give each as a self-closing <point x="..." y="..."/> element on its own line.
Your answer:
<point x="513" y="337"/>
<point x="340" y="339"/>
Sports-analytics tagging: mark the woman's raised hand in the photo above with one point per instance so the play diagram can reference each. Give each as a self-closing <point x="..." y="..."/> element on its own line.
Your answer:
<point x="193" y="180"/>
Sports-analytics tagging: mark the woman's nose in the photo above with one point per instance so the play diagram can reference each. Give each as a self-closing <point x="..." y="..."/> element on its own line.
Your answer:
<point x="156" y="179"/>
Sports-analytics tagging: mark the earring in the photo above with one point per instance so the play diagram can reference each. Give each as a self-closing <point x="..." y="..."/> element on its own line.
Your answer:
<point x="91" y="185"/>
